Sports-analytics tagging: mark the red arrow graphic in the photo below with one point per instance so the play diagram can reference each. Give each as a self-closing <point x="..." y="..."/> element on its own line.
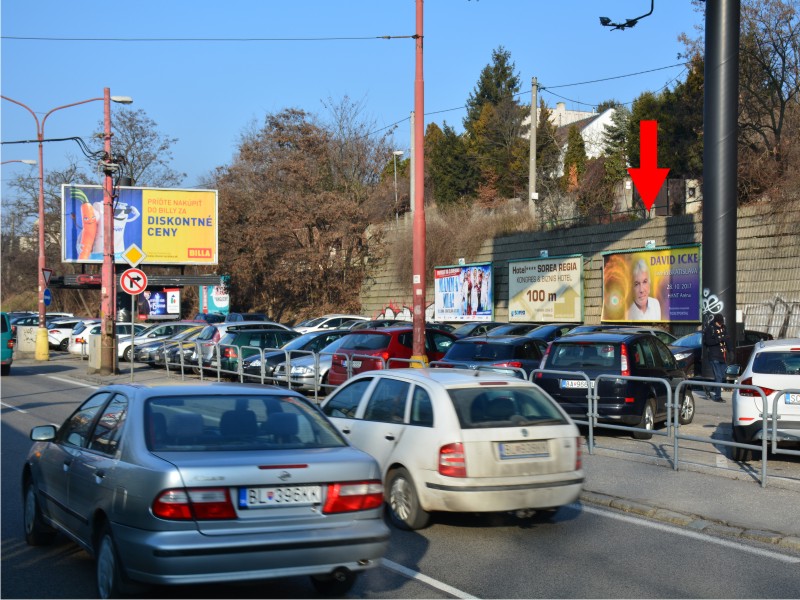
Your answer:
<point x="648" y="178"/>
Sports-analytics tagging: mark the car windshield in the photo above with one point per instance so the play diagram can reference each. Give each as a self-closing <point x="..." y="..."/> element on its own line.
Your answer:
<point x="310" y="322"/>
<point x="479" y="407"/>
<point x="782" y="362"/>
<point x="301" y="342"/>
<point x="688" y="341"/>
<point x="480" y="351"/>
<point x="365" y="341"/>
<point x="236" y="422"/>
<point x="583" y="355"/>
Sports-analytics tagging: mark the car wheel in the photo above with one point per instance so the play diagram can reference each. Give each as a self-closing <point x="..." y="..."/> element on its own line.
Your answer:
<point x="63" y="345"/>
<point x="36" y="532"/>
<point x="111" y="580"/>
<point x="405" y="511"/>
<point x="686" y="408"/>
<point x="336" y="584"/>
<point x="743" y="454"/>
<point x="127" y="355"/>
<point x="5" y="370"/>
<point x="648" y="421"/>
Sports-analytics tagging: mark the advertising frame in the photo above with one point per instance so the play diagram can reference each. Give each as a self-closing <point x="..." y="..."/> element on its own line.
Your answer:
<point x="668" y="282"/>
<point x="546" y="289"/>
<point x="170" y="226"/>
<point x="456" y="302"/>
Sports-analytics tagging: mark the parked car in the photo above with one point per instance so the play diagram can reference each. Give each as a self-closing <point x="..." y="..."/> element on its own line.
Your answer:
<point x="157" y="331"/>
<point x="79" y="343"/>
<point x="236" y="317"/>
<point x="177" y="350"/>
<point x="212" y="317"/>
<point x="477" y="328"/>
<point x="332" y="321"/>
<point x="6" y="345"/>
<point x="308" y="374"/>
<point x="206" y="341"/>
<point x="222" y="483"/>
<point x="58" y="332"/>
<point x="512" y="329"/>
<point x="313" y="341"/>
<point x="148" y="351"/>
<point x="459" y="441"/>
<point x="688" y="350"/>
<point x="238" y="344"/>
<point x="504" y="351"/>
<point x="774" y="366"/>
<point x="77" y="331"/>
<point x="375" y="323"/>
<point x="550" y="331"/>
<point x="370" y="349"/>
<point x="641" y="404"/>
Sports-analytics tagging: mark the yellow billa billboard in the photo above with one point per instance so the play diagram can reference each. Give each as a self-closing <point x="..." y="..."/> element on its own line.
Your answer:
<point x="172" y="227"/>
<point x="546" y="290"/>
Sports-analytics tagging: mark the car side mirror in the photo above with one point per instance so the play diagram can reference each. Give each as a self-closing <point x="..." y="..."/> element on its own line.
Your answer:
<point x="732" y="372"/>
<point x="43" y="433"/>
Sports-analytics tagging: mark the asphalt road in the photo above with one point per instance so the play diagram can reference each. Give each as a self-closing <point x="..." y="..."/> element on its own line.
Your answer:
<point x="585" y="551"/>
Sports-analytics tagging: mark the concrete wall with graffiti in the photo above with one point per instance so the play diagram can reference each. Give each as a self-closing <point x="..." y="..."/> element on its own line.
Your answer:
<point x="768" y="266"/>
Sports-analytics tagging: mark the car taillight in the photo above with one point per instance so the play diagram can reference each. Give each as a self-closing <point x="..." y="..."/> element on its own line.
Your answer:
<point x="623" y="360"/>
<point x="578" y="453"/>
<point x="749" y="381"/>
<point x="512" y="364"/>
<point x="80" y="340"/>
<point x="229" y="353"/>
<point x="53" y="331"/>
<point x="385" y="356"/>
<point x="350" y="497"/>
<point x="452" y="462"/>
<point x="10" y="344"/>
<point x="201" y="504"/>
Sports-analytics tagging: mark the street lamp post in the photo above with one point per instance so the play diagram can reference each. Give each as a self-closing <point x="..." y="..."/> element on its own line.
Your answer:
<point x="23" y="161"/>
<point x="396" y="153"/>
<point x="42" y="346"/>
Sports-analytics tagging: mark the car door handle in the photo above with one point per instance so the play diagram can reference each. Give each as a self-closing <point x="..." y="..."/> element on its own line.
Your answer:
<point x="100" y="473"/>
<point x="390" y="437"/>
<point x="346" y="430"/>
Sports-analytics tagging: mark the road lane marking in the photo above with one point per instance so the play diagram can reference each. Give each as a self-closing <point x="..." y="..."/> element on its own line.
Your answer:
<point x="697" y="535"/>
<point x="411" y="574"/>
<point x="73" y="382"/>
<point x="14" y="408"/>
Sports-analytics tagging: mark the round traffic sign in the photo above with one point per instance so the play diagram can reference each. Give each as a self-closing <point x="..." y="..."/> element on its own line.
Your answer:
<point x="47" y="296"/>
<point x="133" y="281"/>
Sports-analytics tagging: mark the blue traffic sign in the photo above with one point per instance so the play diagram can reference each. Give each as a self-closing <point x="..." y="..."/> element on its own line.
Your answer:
<point x="48" y="297"/>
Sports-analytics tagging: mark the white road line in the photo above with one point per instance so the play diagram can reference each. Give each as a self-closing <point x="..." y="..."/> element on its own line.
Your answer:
<point x="697" y="535"/>
<point x="411" y="574"/>
<point x="14" y="408"/>
<point x="73" y="382"/>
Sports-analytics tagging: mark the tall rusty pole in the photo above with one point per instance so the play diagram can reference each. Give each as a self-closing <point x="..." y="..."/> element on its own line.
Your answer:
<point x="418" y="258"/>
<point x="108" y="355"/>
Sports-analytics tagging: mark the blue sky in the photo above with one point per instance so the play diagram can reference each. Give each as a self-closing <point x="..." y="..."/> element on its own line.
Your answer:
<point x="206" y="93"/>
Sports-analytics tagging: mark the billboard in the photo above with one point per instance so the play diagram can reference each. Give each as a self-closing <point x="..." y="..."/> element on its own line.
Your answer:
<point x="658" y="286"/>
<point x="463" y="293"/>
<point x="160" y="304"/>
<point x="172" y="227"/>
<point x="214" y="299"/>
<point x="546" y="289"/>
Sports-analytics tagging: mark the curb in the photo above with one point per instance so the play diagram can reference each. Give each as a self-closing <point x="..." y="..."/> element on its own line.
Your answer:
<point x="718" y="528"/>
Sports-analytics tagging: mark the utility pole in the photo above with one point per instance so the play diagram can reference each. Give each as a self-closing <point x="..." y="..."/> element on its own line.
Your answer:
<point x="108" y="308"/>
<point x="532" y="195"/>
<point x="418" y="260"/>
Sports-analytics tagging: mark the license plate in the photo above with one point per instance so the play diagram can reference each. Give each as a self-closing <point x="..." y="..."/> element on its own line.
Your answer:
<point x="574" y="384"/>
<point x="356" y="363"/>
<point x="537" y="449"/>
<point x="790" y="398"/>
<point x="267" y="497"/>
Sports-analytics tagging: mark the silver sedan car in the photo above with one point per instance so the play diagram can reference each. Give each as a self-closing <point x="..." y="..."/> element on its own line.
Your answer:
<point x="202" y="484"/>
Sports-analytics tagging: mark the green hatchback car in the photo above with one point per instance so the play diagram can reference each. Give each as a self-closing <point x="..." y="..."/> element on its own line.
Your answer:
<point x="240" y="344"/>
<point x="7" y="347"/>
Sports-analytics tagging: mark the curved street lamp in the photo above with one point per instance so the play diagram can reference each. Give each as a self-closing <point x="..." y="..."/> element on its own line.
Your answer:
<point x="42" y="346"/>
<point x="24" y="161"/>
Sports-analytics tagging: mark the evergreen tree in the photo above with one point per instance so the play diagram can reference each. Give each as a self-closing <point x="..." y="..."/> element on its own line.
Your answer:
<point x="497" y="82"/>
<point x="574" y="159"/>
<point x="452" y="174"/>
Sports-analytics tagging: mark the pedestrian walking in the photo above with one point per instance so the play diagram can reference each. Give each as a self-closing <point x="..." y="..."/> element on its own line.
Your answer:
<point x="717" y="346"/>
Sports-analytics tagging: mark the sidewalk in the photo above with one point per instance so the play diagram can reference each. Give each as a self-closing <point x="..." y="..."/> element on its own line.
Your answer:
<point x="696" y="496"/>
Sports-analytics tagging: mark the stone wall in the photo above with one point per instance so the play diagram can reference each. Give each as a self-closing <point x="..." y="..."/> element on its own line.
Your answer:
<point x="768" y="265"/>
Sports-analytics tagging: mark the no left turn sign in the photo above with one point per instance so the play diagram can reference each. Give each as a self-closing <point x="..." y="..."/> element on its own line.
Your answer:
<point x="133" y="281"/>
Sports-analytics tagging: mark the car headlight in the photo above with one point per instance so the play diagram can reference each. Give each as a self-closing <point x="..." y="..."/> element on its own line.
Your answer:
<point x="300" y="370"/>
<point x="683" y="355"/>
<point x="255" y="363"/>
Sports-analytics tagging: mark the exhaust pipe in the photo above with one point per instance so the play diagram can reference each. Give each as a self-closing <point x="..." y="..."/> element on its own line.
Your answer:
<point x="340" y="574"/>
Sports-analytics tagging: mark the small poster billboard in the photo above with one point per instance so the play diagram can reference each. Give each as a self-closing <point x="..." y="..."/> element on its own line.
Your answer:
<point x="464" y="293"/>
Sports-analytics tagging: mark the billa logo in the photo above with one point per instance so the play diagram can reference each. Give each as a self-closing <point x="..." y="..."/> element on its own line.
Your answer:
<point x="199" y="252"/>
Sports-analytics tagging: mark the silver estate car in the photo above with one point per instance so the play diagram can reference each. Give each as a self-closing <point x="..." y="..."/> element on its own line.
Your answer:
<point x="205" y="484"/>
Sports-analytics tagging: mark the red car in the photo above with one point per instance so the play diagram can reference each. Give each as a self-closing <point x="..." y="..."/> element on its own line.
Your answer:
<point x="384" y="344"/>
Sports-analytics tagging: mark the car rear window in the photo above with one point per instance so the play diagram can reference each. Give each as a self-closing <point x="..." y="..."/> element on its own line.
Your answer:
<point x="242" y="422"/>
<point x="777" y="363"/>
<point x="366" y="341"/>
<point x="480" y="408"/>
<point x="583" y="355"/>
<point x="480" y="351"/>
